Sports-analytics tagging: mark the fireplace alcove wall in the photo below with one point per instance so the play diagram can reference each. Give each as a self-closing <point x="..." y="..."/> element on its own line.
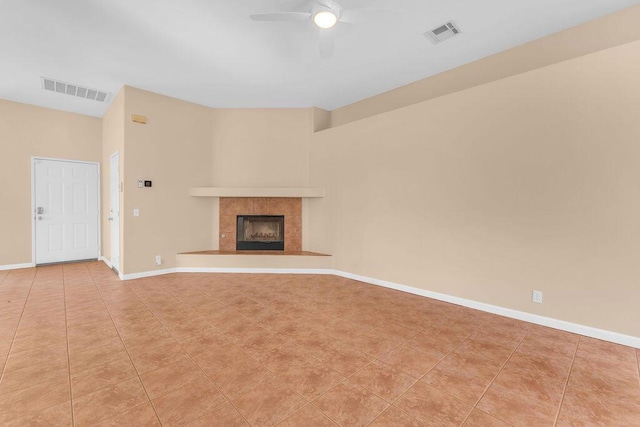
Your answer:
<point x="289" y="207"/>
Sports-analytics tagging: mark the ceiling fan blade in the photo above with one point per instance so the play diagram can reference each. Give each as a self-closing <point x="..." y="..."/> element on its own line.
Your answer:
<point x="364" y="14"/>
<point x="326" y="43"/>
<point x="281" y="16"/>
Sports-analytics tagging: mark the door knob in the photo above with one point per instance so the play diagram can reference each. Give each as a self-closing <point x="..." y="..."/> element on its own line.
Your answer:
<point x="39" y="218"/>
<point x="110" y="218"/>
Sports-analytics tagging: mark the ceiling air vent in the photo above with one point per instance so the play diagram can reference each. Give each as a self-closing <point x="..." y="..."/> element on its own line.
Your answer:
<point x="443" y="32"/>
<point x="74" y="90"/>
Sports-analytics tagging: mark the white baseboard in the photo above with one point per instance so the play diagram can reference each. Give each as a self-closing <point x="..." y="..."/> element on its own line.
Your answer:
<point x="106" y="261"/>
<point x="16" y="266"/>
<point x="254" y="270"/>
<point x="146" y="274"/>
<point x="562" y="325"/>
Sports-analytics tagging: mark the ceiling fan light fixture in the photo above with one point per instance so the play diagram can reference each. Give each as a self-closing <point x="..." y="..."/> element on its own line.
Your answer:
<point x="325" y="19"/>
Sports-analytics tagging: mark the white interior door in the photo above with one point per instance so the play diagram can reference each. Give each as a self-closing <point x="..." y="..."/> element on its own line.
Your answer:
<point x="114" y="209"/>
<point x="66" y="211"/>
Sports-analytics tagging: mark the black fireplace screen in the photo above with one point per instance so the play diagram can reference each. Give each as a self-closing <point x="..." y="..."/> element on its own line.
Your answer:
<point x="260" y="232"/>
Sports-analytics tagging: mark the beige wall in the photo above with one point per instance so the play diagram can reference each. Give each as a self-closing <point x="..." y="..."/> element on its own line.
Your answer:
<point x="602" y="33"/>
<point x="261" y="147"/>
<point x="529" y="182"/>
<point x="27" y="131"/>
<point x="112" y="141"/>
<point x="174" y="151"/>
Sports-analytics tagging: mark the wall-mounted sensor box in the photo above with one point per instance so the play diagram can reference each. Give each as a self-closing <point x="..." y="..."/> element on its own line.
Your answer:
<point x="137" y="118"/>
<point x="147" y="183"/>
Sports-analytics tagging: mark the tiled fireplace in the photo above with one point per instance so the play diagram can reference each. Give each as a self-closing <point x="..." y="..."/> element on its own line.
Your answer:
<point x="232" y="207"/>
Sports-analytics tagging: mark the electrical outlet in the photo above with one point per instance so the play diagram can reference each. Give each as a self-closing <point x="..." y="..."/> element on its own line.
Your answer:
<point x="158" y="260"/>
<point x="537" y="297"/>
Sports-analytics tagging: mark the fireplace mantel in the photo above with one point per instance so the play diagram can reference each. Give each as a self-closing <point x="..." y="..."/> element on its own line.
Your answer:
<point x="256" y="192"/>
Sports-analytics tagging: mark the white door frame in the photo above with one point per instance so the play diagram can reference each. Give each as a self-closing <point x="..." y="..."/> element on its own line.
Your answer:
<point x="118" y="267"/>
<point x="33" y="202"/>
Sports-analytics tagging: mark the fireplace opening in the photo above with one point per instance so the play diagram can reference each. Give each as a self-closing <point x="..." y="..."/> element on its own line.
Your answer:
<point x="260" y="233"/>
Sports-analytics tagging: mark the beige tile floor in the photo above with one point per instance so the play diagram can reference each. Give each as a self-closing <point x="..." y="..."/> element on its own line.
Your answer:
<point x="79" y="347"/>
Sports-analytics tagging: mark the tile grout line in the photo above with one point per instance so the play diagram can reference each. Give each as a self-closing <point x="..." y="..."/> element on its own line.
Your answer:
<point x="34" y="282"/>
<point x="4" y="366"/>
<point x="251" y="356"/>
<point x="445" y="356"/>
<point x="310" y="402"/>
<point x="475" y="405"/>
<point x="451" y="351"/>
<point x="276" y="376"/>
<point x="348" y="377"/>
<point x="103" y="364"/>
<point x="440" y="360"/>
<point x="637" y="351"/>
<point x="427" y="373"/>
<point x="566" y="384"/>
<point x="228" y="398"/>
<point x="401" y="394"/>
<point x="223" y="334"/>
<point x="126" y="350"/>
<point x="395" y="400"/>
<point x="66" y="333"/>
<point x="188" y="355"/>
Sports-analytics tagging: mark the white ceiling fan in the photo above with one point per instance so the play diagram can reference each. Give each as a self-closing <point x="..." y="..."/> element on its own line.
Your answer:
<point x="325" y="14"/>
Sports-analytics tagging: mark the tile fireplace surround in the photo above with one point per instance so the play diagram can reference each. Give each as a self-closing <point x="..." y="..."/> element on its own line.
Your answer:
<point x="290" y="207"/>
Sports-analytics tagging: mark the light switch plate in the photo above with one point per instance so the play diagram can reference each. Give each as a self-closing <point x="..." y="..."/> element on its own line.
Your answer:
<point x="136" y="212"/>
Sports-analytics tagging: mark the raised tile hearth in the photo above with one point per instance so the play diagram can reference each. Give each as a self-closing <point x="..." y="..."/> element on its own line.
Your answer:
<point x="240" y="260"/>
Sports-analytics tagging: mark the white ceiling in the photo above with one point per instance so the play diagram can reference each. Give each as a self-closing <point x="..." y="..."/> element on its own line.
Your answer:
<point x="210" y="52"/>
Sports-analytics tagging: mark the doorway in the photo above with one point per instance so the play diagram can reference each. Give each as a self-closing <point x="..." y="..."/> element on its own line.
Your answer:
<point x="66" y="210"/>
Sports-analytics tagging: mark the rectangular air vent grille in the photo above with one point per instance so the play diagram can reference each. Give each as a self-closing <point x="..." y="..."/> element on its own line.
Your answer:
<point x="443" y="32"/>
<point x="74" y="90"/>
